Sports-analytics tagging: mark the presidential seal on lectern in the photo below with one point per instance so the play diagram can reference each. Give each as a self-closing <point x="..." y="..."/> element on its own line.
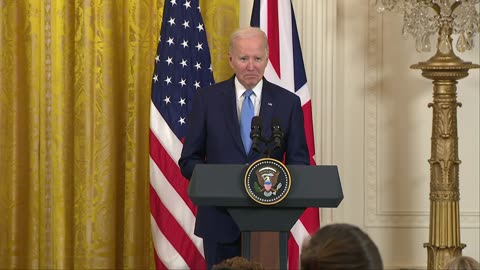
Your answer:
<point x="267" y="181"/>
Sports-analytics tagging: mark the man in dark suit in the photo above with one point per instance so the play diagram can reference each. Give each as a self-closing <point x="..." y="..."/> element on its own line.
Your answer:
<point x="214" y="132"/>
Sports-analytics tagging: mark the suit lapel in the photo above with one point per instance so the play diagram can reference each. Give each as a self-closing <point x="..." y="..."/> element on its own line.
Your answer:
<point x="266" y="111"/>
<point x="230" y="110"/>
<point x="266" y="108"/>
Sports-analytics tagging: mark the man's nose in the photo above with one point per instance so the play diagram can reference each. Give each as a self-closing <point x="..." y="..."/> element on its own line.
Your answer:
<point x="250" y="64"/>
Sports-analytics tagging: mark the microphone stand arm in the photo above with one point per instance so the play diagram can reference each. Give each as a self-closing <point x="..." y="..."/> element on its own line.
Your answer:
<point x="267" y="152"/>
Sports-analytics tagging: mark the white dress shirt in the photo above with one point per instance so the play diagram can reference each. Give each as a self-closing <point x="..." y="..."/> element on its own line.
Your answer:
<point x="256" y="97"/>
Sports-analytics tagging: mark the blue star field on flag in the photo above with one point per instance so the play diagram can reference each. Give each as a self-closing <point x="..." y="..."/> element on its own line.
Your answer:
<point x="182" y="63"/>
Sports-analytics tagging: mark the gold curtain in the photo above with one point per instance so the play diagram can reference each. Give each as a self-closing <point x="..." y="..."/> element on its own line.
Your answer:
<point x="75" y="79"/>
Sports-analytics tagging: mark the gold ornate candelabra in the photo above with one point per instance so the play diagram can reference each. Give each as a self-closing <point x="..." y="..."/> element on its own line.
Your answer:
<point x="445" y="68"/>
<point x="422" y="18"/>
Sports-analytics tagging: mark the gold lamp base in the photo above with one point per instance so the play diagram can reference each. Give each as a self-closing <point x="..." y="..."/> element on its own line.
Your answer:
<point x="445" y="68"/>
<point x="421" y="19"/>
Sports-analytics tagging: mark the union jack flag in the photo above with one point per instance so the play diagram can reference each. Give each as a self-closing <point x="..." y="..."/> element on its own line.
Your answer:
<point x="182" y="65"/>
<point x="288" y="71"/>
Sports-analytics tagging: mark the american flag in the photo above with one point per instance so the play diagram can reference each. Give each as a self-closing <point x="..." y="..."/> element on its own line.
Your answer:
<point x="288" y="71"/>
<point x="182" y="65"/>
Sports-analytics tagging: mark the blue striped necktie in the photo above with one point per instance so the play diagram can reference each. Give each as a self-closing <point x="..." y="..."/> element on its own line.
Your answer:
<point x="246" y="119"/>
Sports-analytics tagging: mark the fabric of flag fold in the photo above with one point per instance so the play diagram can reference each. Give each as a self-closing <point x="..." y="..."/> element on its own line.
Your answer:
<point x="286" y="68"/>
<point x="182" y="65"/>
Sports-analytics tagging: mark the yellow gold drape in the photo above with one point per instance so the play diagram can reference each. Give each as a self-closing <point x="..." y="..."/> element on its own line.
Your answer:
<point x="75" y="79"/>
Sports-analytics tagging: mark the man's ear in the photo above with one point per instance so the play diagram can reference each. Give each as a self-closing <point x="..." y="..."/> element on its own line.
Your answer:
<point x="230" y="58"/>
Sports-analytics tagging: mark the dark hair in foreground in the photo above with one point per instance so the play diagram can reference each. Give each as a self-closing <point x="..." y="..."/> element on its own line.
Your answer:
<point x="238" y="263"/>
<point x="462" y="263"/>
<point x="340" y="246"/>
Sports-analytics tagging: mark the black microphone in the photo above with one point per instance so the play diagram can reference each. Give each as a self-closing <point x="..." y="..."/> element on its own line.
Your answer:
<point x="256" y="133"/>
<point x="277" y="134"/>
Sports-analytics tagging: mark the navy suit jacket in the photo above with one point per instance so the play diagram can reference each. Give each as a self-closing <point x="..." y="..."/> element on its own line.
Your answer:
<point x="213" y="137"/>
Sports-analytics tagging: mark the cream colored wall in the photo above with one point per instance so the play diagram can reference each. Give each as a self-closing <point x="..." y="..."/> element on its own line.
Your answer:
<point x="371" y="119"/>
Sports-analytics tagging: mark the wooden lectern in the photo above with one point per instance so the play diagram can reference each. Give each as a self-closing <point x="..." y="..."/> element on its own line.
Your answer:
<point x="222" y="185"/>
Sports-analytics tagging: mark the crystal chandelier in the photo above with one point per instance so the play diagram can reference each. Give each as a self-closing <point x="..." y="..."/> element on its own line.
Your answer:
<point x="424" y="19"/>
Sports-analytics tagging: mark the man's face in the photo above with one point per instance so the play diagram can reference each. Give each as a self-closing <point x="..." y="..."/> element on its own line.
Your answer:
<point x="248" y="59"/>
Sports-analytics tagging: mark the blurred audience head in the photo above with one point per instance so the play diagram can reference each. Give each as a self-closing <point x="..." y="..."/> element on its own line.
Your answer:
<point x="238" y="263"/>
<point x="340" y="246"/>
<point x="462" y="263"/>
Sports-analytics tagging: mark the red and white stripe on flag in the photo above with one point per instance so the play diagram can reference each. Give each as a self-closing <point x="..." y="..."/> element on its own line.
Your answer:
<point x="286" y="68"/>
<point x="182" y="65"/>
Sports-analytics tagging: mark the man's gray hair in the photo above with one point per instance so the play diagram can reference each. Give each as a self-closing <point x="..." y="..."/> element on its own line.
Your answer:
<point x="248" y="32"/>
